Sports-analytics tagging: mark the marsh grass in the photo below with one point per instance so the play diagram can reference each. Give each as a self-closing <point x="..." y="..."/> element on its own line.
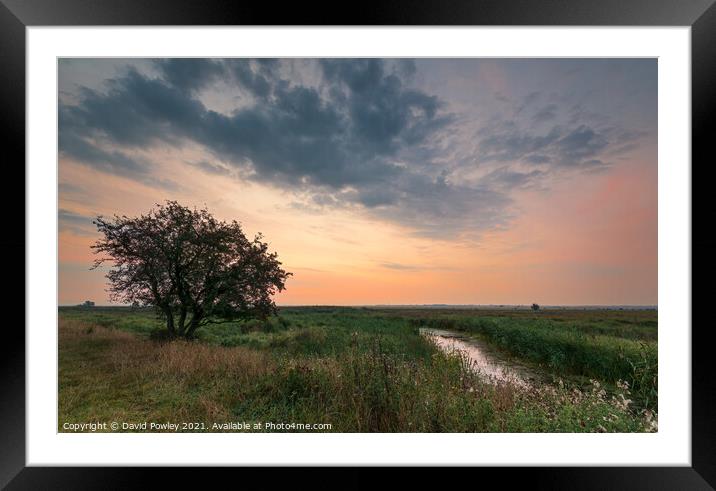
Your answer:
<point x="359" y="371"/>
<point x="569" y="349"/>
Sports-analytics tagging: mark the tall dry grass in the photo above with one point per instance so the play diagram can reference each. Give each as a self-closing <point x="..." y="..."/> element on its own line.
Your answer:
<point x="181" y="380"/>
<point x="180" y="359"/>
<point x="367" y="385"/>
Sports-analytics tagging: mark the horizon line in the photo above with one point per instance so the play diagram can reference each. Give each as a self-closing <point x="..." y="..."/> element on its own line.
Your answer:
<point x="500" y="305"/>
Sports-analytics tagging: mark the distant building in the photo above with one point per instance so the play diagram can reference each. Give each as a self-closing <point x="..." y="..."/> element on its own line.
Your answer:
<point x="87" y="303"/>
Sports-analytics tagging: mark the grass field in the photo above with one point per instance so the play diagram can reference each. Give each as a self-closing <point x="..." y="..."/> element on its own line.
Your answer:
<point x="361" y="370"/>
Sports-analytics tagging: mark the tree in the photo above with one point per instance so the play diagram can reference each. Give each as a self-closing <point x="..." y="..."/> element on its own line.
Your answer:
<point x="194" y="269"/>
<point x="535" y="307"/>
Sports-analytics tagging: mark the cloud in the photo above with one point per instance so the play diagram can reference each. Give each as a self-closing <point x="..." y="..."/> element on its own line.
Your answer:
<point x="412" y="267"/>
<point x="75" y="223"/>
<point x="351" y="133"/>
<point x="583" y="146"/>
<point x="547" y="113"/>
<point x="254" y="75"/>
<point x="382" y="113"/>
<point x="213" y="168"/>
<point x="190" y="74"/>
<point x="508" y="179"/>
<point x="528" y="100"/>
<point x="342" y="141"/>
<point x="581" y="143"/>
<point x="401" y="267"/>
<point x="109" y="131"/>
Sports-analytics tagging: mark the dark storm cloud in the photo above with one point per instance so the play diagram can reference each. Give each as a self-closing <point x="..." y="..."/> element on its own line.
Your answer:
<point x="87" y="132"/>
<point x="135" y="111"/>
<point x="359" y="136"/>
<point x="190" y="73"/>
<point x="256" y="80"/>
<point x="383" y="114"/>
<point x="406" y="67"/>
<point x="297" y="137"/>
<point x="346" y="142"/>
<point x="194" y="74"/>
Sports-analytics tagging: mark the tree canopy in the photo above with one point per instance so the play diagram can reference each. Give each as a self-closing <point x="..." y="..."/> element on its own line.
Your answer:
<point x="193" y="268"/>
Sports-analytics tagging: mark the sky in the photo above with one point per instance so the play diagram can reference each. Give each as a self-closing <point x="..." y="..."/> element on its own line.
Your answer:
<point x="379" y="181"/>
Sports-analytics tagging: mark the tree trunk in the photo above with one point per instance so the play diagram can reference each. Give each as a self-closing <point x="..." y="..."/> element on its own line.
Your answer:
<point x="182" y="320"/>
<point x="170" y="321"/>
<point x="193" y="326"/>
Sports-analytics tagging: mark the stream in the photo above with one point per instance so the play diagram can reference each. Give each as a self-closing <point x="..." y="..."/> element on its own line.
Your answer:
<point x="484" y="360"/>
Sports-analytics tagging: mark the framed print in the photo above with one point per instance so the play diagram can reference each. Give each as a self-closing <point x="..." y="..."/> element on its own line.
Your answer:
<point x="426" y="237"/>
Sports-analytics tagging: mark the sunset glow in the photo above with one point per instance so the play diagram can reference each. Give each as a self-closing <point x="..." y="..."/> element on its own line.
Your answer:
<point x="428" y="181"/>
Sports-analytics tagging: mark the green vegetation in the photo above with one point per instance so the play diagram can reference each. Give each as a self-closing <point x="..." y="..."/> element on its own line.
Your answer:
<point x="605" y="352"/>
<point x="360" y="370"/>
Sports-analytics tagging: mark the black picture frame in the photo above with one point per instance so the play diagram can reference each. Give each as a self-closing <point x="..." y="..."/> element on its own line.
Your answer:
<point x="16" y="15"/>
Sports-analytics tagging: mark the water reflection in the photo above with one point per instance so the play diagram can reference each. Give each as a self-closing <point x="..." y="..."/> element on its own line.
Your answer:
<point x="482" y="359"/>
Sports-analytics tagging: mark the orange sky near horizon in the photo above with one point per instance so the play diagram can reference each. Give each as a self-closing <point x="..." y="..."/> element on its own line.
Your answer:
<point x="589" y="242"/>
